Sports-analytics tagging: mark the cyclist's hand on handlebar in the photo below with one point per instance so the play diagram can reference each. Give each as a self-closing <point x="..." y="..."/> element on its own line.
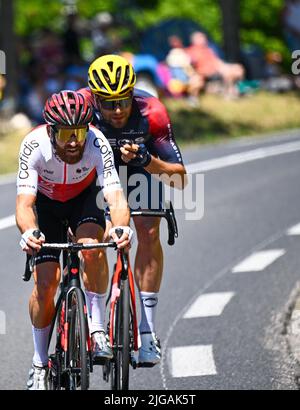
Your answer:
<point x="30" y="243"/>
<point x="125" y="239"/>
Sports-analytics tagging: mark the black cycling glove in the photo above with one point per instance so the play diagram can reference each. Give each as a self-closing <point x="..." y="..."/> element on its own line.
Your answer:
<point x="143" y="157"/>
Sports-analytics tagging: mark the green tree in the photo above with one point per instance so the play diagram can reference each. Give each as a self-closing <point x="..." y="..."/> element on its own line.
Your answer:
<point x="261" y="25"/>
<point x="259" y="21"/>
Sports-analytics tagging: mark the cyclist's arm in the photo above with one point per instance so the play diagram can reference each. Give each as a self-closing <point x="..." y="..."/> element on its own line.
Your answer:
<point x="167" y="160"/>
<point x="170" y="173"/>
<point x="119" y="211"/>
<point x="27" y="222"/>
<point x="27" y="182"/>
<point x="25" y="215"/>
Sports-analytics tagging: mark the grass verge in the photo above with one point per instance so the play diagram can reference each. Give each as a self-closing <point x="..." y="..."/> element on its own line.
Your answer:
<point x="9" y="149"/>
<point x="218" y="119"/>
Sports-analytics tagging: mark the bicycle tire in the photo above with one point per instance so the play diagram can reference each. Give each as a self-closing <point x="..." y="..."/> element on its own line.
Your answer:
<point x="77" y="343"/>
<point x="55" y="375"/>
<point x="120" y="366"/>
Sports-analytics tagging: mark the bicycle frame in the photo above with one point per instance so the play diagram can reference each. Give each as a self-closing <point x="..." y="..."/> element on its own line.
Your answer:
<point x="70" y="281"/>
<point x="70" y="286"/>
<point x="123" y="271"/>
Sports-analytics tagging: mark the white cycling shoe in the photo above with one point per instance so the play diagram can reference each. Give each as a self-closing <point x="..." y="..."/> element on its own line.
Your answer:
<point x="101" y="348"/>
<point x="38" y="378"/>
<point x="150" y="350"/>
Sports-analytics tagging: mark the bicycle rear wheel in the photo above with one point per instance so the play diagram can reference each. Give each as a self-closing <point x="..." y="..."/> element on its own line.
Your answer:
<point x="120" y="365"/>
<point x="78" y="369"/>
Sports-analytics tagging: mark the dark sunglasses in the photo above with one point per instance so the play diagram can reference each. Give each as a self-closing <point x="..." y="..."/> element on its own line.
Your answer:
<point x="113" y="104"/>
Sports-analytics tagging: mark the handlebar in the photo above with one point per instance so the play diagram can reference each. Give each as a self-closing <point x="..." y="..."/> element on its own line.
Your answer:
<point x="72" y="247"/>
<point x="167" y="213"/>
<point x="76" y="247"/>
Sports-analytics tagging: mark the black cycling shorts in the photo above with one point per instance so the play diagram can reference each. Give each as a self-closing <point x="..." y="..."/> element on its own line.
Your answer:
<point x="143" y="190"/>
<point x="51" y="214"/>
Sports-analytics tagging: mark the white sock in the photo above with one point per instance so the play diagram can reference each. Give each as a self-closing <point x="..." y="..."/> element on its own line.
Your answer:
<point x="40" y="341"/>
<point x="149" y="302"/>
<point x="88" y="299"/>
<point x="97" y="309"/>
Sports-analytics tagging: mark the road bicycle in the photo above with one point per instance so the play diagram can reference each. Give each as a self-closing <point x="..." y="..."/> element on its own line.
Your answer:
<point x="71" y="361"/>
<point x="122" y="326"/>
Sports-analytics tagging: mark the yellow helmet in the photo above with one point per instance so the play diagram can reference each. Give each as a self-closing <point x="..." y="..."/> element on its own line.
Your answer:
<point x="111" y="76"/>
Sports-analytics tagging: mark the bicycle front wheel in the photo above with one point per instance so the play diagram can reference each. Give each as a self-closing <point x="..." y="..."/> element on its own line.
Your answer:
<point x="120" y="366"/>
<point x="55" y="379"/>
<point x="78" y="370"/>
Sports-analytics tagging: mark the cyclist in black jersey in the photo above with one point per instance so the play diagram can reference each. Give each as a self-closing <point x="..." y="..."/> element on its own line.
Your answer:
<point x="139" y="130"/>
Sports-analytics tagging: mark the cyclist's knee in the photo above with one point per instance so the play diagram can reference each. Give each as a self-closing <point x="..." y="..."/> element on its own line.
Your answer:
<point x="148" y="231"/>
<point x="47" y="280"/>
<point x="93" y="256"/>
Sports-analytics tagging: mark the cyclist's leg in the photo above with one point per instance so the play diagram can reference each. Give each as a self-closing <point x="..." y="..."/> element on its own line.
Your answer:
<point x="95" y="276"/>
<point x="149" y="255"/>
<point x="41" y="304"/>
<point x="88" y="223"/>
<point x="148" y="265"/>
<point x="46" y="280"/>
<point x="95" y="273"/>
<point x="41" y="308"/>
<point x="148" y="276"/>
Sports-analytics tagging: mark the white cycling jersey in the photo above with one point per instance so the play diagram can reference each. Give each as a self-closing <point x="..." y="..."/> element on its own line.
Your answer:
<point x="40" y="169"/>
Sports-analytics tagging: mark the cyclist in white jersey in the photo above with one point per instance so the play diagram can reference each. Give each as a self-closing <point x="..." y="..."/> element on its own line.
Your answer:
<point x="64" y="167"/>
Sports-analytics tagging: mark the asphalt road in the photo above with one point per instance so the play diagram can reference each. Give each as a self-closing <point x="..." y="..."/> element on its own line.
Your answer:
<point x="248" y="209"/>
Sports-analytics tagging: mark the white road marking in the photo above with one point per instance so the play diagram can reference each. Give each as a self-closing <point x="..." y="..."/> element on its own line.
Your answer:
<point x="209" y="304"/>
<point x="191" y="361"/>
<point x="2" y="323"/>
<point x="242" y="157"/>
<point x="258" y="261"/>
<point x="7" y="222"/>
<point x="294" y="230"/>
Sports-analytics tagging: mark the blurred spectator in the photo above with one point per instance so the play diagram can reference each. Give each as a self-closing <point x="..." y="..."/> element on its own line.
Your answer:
<point x="291" y="23"/>
<point x="49" y="53"/>
<point x="2" y="85"/>
<point x="35" y="101"/>
<point x="276" y="80"/>
<point x="146" y="69"/>
<point x="164" y="74"/>
<point x="101" y="24"/>
<point x="209" y="65"/>
<point x="182" y="71"/>
<point x="75" y="76"/>
<point x="273" y="64"/>
<point x="71" y="40"/>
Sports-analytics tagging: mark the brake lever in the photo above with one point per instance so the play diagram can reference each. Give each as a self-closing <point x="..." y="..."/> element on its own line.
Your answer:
<point x="30" y="260"/>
